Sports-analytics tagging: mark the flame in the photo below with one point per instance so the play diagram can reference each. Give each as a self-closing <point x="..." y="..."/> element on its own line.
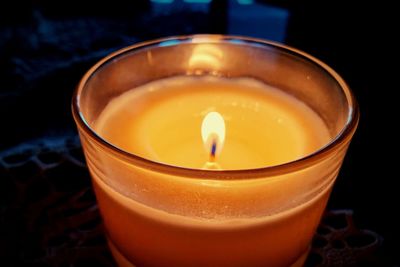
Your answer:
<point x="213" y="133"/>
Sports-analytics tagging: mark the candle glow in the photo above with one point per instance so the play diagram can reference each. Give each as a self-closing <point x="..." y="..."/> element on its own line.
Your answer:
<point x="275" y="138"/>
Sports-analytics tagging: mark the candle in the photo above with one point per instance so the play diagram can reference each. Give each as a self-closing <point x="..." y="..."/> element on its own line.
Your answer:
<point x="207" y="170"/>
<point x="162" y="121"/>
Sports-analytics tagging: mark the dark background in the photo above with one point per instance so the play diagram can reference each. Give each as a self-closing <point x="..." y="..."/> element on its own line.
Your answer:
<point x="46" y="46"/>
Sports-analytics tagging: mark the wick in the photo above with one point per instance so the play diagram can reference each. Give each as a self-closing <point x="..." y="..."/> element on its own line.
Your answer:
<point x="211" y="164"/>
<point x="213" y="150"/>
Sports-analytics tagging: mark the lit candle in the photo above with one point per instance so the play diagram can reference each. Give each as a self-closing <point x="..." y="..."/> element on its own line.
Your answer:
<point x="201" y="170"/>
<point x="171" y="121"/>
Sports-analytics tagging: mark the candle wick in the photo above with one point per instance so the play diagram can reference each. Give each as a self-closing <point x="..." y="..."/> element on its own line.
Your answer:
<point x="213" y="150"/>
<point x="211" y="164"/>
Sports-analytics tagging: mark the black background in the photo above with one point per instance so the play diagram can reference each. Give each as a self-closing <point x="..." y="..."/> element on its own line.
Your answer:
<point x="46" y="46"/>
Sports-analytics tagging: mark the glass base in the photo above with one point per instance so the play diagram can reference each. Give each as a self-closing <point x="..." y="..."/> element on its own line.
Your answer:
<point x="124" y="262"/>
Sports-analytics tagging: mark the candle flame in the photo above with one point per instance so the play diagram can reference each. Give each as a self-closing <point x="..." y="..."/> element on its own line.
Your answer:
<point x="213" y="133"/>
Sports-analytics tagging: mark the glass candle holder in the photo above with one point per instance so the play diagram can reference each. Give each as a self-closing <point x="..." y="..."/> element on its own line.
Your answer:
<point x="158" y="213"/>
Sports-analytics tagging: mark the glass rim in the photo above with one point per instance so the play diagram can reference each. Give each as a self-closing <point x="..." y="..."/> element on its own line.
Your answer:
<point x="341" y="139"/>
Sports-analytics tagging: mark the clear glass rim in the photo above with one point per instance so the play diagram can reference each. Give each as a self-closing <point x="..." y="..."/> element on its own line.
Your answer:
<point x="340" y="140"/>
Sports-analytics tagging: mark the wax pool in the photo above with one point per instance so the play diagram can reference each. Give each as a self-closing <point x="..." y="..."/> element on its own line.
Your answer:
<point x="155" y="218"/>
<point x="161" y="121"/>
